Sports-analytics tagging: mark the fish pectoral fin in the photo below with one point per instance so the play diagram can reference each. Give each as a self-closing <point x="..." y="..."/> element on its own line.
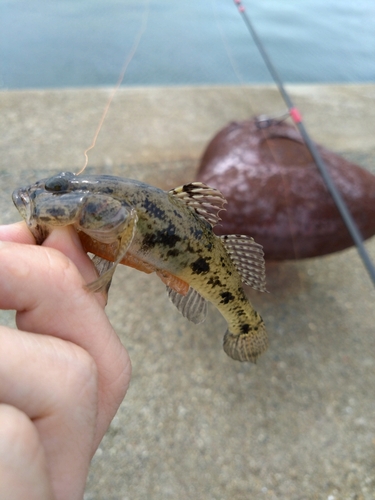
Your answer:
<point x="101" y="265"/>
<point x="205" y="200"/>
<point x="127" y="236"/>
<point x="248" y="257"/>
<point x="192" y="305"/>
<point x="105" y="269"/>
<point x="104" y="280"/>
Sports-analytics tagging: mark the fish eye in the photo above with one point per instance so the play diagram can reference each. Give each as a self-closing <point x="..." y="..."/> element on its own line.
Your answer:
<point x="57" y="184"/>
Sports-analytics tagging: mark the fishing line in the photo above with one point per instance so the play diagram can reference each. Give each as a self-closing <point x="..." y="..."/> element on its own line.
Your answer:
<point x="128" y="60"/>
<point x="264" y="122"/>
<point x="231" y="59"/>
<point x="297" y="119"/>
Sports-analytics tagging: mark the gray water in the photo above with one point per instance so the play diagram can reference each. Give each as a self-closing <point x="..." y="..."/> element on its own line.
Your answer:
<point x="85" y="42"/>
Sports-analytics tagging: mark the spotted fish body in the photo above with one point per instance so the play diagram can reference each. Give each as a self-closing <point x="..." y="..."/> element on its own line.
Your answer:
<point x="166" y="232"/>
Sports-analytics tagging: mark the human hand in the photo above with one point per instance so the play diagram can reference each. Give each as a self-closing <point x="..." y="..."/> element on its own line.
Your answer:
<point x="63" y="374"/>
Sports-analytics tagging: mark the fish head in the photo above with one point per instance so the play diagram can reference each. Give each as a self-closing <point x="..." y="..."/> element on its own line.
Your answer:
<point x="67" y="199"/>
<point x="47" y="203"/>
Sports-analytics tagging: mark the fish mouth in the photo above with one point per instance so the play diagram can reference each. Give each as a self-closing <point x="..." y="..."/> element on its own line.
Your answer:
<point x="22" y="202"/>
<point x="26" y="207"/>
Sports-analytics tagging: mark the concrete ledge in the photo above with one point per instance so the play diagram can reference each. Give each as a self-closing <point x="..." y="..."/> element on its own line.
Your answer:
<point x="195" y="424"/>
<point x="53" y="127"/>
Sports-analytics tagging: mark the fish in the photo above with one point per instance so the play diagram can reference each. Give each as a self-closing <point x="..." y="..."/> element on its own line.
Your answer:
<point x="170" y="233"/>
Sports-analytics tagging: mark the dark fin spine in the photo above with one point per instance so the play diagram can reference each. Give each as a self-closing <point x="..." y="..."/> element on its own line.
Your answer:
<point x="206" y="201"/>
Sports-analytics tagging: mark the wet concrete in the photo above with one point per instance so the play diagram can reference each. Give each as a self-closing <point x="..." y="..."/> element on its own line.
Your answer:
<point x="195" y="424"/>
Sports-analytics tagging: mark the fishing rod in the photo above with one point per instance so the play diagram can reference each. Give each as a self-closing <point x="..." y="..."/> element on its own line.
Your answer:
<point x="297" y="119"/>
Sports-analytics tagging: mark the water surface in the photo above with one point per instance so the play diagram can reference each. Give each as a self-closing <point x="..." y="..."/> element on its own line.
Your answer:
<point x="84" y="43"/>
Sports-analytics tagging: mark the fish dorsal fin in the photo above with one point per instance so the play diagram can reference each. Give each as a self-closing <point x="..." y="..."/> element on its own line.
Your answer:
<point x="192" y="305"/>
<point x="248" y="258"/>
<point x="205" y="200"/>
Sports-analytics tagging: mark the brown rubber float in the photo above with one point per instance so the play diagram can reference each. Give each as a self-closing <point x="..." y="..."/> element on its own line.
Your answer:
<point x="275" y="192"/>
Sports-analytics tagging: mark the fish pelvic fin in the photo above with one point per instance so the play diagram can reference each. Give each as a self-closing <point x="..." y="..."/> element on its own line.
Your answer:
<point x="246" y="346"/>
<point x="192" y="305"/>
<point x="248" y="257"/>
<point x="206" y="201"/>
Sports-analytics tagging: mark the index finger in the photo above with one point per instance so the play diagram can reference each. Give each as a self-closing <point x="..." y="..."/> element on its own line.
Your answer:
<point x="17" y="233"/>
<point x="48" y="292"/>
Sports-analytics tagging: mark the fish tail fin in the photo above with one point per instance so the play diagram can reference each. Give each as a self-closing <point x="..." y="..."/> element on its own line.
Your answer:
<point x="246" y="346"/>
